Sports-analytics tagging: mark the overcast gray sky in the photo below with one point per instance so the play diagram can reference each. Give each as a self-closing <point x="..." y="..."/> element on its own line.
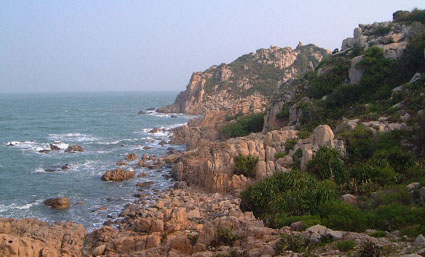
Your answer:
<point x="109" y="45"/>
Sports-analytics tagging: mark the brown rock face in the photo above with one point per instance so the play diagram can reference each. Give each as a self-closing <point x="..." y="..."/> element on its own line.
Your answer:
<point x="118" y="175"/>
<point x="34" y="238"/>
<point x="145" y="184"/>
<point x="131" y="157"/>
<point x="225" y="87"/>
<point x="74" y="148"/>
<point x="122" y="163"/>
<point x="58" y="203"/>
<point x="54" y="147"/>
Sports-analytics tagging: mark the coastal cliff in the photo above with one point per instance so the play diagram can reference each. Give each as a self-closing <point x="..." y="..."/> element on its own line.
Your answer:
<point x="336" y="168"/>
<point x="246" y="84"/>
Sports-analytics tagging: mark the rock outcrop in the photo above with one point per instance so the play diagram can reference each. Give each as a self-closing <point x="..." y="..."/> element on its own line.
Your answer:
<point x="391" y="37"/>
<point x="58" y="203"/>
<point x="118" y="175"/>
<point x="241" y="86"/>
<point x="74" y="149"/>
<point x="34" y="238"/>
<point x="210" y="166"/>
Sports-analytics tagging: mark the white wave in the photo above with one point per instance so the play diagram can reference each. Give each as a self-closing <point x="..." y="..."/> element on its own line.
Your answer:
<point x="39" y="170"/>
<point x="171" y="115"/>
<point x="61" y="145"/>
<point x="4" y="208"/>
<point x="29" y="145"/>
<point x="75" y="137"/>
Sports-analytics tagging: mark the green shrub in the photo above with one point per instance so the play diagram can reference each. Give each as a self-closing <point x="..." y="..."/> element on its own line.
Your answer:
<point x="284" y="113"/>
<point x="395" y="194"/>
<point x="297" y="158"/>
<point x="327" y="164"/>
<point x="369" y="249"/>
<point x="279" y="155"/>
<point x="295" y="193"/>
<point x="382" y="31"/>
<point x="295" y="243"/>
<point x="282" y="219"/>
<point x="244" y="126"/>
<point x="290" y="144"/>
<point x="360" y="143"/>
<point x="378" y="234"/>
<point x="226" y="237"/>
<point x="400" y="160"/>
<point x="392" y="216"/>
<point x="336" y="72"/>
<point x="343" y="216"/>
<point x="345" y="246"/>
<point x="409" y="17"/>
<point x="245" y="165"/>
<point x="378" y="171"/>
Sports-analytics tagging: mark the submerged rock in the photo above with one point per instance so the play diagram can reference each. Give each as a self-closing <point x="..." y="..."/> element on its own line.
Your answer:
<point x="54" y="147"/>
<point x="145" y="184"/>
<point x="122" y="163"/>
<point x="58" y="203"/>
<point x="118" y="175"/>
<point x="74" y="149"/>
<point x="131" y="157"/>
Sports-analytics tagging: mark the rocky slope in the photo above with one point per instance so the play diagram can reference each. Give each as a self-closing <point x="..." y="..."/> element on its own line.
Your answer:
<point x="246" y="84"/>
<point x="389" y="36"/>
<point x="201" y="215"/>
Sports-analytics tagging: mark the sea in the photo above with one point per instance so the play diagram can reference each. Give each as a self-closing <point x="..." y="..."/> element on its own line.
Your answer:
<point x="106" y="125"/>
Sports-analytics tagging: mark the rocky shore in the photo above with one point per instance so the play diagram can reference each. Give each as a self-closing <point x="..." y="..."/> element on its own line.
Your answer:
<point x="201" y="214"/>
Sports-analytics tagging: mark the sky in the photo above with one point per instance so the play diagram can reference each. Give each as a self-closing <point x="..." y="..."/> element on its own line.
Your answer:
<point x="155" y="45"/>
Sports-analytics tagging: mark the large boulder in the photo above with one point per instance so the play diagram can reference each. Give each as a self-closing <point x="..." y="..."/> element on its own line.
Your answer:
<point x="58" y="203"/>
<point x="131" y="157"/>
<point x="35" y="238"/>
<point x="74" y="149"/>
<point x="355" y="74"/>
<point x="118" y="175"/>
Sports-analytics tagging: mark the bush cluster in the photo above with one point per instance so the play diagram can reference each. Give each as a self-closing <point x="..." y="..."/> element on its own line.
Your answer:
<point x="294" y="194"/>
<point x="409" y="17"/>
<point x="245" y="165"/>
<point x="244" y="126"/>
<point x="374" y="162"/>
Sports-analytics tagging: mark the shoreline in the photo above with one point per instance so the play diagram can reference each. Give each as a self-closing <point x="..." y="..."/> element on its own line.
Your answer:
<point x="178" y="221"/>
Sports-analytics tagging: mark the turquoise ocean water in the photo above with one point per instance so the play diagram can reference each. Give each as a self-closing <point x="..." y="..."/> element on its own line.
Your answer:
<point x="107" y="125"/>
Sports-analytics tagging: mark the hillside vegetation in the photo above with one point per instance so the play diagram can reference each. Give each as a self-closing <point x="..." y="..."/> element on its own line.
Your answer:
<point x="384" y="172"/>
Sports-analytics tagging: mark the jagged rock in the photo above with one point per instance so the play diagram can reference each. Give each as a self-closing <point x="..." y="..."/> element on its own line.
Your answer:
<point x="74" y="148"/>
<point x="349" y="198"/>
<point x="100" y="249"/>
<point x="155" y="130"/>
<point x="200" y="99"/>
<point x="54" y="147"/>
<point x="122" y="163"/>
<point x="405" y="117"/>
<point x="142" y="175"/>
<point x="131" y="157"/>
<point x="298" y="226"/>
<point x="413" y="185"/>
<point x="355" y="74"/>
<point x="34" y="238"/>
<point x="420" y="240"/>
<point x="118" y="175"/>
<point x="58" y="203"/>
<point x="415" y="78"/>
<point x="145" y="184"/>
